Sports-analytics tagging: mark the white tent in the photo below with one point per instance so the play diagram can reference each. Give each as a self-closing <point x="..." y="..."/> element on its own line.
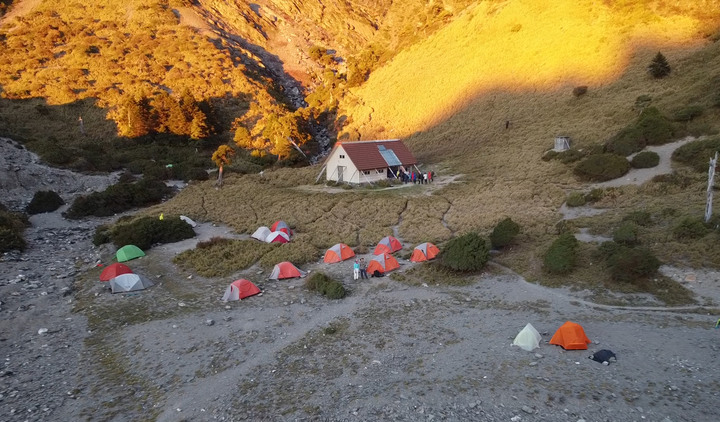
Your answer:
<point x="128" y="283"/>
<point x="188" y="220"/>
<point x="275" y="237"/>
<point x="528" y="338"/>
<point x="261" y="233"/>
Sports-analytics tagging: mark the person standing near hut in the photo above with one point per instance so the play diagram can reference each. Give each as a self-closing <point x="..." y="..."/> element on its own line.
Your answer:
<point x="356" y="270"/>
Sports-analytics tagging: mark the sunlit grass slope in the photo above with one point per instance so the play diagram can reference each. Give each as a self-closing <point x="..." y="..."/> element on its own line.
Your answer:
<point x="517" y="46"/>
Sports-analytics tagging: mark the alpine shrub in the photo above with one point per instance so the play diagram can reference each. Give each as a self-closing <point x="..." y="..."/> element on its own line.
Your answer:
<point x="602" y="167"/>
<point x="118" y="198"/>
<point x="697" y="153"/>
<point x="561" y="257"/>
<point x="645" y="159"/>
<point x="690" y="228"/>
<point x="626" y="233"/>
<point x="469" y="252"/>
<point x="629" y="264"/>
<point x="504" y="233"/>
<point x="688" y="113"/>
<point x="641" y="218"/>
<point x="594" y="195"/>
<point x="575" y="199"/>
<point x="326" y="286"/>
<point x="102" y="235"/>
<point x="579" y="91"/>
<point x="11" y="240"/>
<point x="44" y="201"/>
<point x="147" y="231"/>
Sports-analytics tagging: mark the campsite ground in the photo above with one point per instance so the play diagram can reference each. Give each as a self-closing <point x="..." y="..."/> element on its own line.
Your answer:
<point x="397" y="348"/>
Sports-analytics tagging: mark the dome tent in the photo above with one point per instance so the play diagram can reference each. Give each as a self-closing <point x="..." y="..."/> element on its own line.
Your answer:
<point x="528" y="338"/>
<point x="286" y="269"/>
<point x="570" y="336"/>
<point x="114" y="270"/>
<point x="128" y="252"/>
<point x="382" y="263"/>
<point x="338" y="253"/>
<point x="261" y="233"/>
<point x="387" y="244"/>
<point x="129" y="283"/>
<point x="424" y="252"/>
<point x="240" y="289"/>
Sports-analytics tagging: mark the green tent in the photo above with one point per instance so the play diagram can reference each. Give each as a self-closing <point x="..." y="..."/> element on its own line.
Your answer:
<point x="128" y="252"/>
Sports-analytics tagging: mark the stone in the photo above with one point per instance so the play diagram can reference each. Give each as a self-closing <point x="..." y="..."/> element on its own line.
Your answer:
<point x="528" y="410"/>
<point x="42" y="331"/>
<point x="209" y="322"/>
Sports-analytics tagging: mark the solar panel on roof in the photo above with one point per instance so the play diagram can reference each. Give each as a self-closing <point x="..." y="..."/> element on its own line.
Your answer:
<point x="390" y="158"/>
<point x="381" y="147"/>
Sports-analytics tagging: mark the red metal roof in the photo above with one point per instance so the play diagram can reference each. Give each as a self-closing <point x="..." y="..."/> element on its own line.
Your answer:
<point x="366" y="154"/>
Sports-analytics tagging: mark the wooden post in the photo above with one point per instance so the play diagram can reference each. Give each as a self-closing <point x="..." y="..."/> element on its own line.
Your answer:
<point x="711" y="182"/>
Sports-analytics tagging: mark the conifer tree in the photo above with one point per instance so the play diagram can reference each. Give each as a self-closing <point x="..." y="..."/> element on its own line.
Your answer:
<point x="659" y="67"/>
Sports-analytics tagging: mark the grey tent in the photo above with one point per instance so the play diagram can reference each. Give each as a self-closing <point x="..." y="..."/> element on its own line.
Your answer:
<point x="128" y="283"/>
<point x="261" y="233"/>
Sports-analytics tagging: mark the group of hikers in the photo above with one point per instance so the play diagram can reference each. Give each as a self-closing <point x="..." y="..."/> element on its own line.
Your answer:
<point x="415" y="176"/>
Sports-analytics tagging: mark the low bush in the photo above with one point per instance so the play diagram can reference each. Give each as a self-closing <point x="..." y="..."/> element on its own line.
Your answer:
<point x="697" y="154"/>
<point x="645" y="159"/>
<point x="566" y="157"/>
<point x="628" y="141"/>
<point x="12" y="225"/>
<point x="575" y="199"/>
<point x="504" y="233"/>
<point x="326" y="286"/>
<point x="469" y="252"/>
<point x="594" y="195"/>
<point x="147" y="231"/>
<point x="626" y="233"/>
<point x="651" y="128"/>
<point x="631" y="264"/>
<point x="579" y="91"/>
<point x="118" y="198"/>
<point x="561" y="257"/>
<point x="688" y="113"/>
<point x="102" y="235"/>
<point x="298" y="252"/>
<point x="44" y="201"/>
<point x="11" y="240"/>
<point x="602" y="167"/>
<point x="690" y="228"/>
<point x="641" y="218"/>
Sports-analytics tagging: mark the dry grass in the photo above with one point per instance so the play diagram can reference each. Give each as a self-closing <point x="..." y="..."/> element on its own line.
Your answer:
<point x="223" y="259"/>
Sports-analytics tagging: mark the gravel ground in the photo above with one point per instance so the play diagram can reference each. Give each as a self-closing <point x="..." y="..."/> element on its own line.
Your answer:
<point x="388" y="351"/>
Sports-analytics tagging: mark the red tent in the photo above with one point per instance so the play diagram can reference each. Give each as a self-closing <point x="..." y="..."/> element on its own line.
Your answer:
<point x="424" y="251"/>
<point x="383" y="263"/>
<point x="570" y="336"/>
<point x="286" y="269"/>
<point x="114" y="270"/>
<point x="281" y="226"/>
<point x="387" y="244"/>
<point x="278" y="237"/>
<point x="337" y="253"/>
<point x="240" y="289"/>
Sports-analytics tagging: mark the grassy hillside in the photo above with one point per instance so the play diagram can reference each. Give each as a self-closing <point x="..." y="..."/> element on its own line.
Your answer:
<point x="516" y="46"/>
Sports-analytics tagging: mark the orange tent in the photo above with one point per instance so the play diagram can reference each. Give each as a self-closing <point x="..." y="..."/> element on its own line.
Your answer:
<point x="337" y="253"/>
<point x="424" y="252"/>
<point x="286" y="269"/>
<point x="114" y="270"/>
<point x="281" y="226"/>
<point x="570" y="336"/>
<point x="387" y="244"/>
<point x="382" y="263"/>
<point x="240" y="289"/>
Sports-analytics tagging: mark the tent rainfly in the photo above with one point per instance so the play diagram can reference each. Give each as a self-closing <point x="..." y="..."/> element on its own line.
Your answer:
<point x="114" y="270"/>
<point x="424" y="252"/>
<point x="240" y="289"/>
<point x="128" y="252"/>
<point x="338" y="253"/>
<point x="387" y="244"/>
<point x="528" y="338"/>
<point x="277" y="237"/>
<point x="281" y="226"/>
<point x="382" y="263"/>
<point x="261" y="233"/>
<point x="286" y="269"/>
<point x="570" y="336"/>
<point x="128" y="283"/>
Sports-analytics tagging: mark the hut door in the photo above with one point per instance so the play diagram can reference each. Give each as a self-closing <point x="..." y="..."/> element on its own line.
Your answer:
<point x="340" y="173"/>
